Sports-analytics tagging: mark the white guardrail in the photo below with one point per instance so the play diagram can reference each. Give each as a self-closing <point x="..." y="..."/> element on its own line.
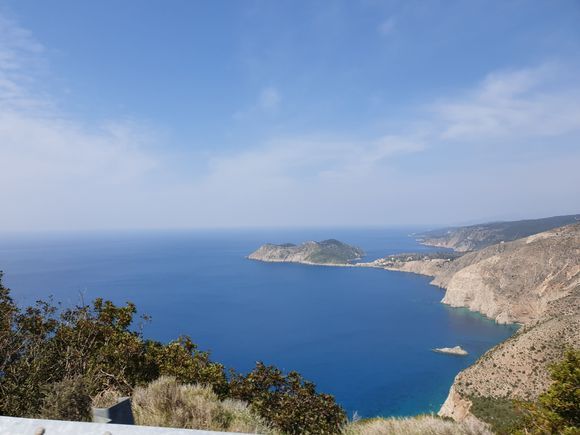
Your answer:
<point x="33" y="426"/>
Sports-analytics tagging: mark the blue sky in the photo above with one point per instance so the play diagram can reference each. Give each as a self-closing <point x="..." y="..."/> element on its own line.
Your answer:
<point x="179" y="114"/>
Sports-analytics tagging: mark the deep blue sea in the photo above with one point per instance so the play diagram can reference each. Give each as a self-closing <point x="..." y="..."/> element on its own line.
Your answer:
<point x="363" y="335"/>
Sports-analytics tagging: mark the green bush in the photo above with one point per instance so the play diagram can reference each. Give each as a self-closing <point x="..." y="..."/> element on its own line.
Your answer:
<point x="287" y="401"/>
<point x="558" y="409"/>
<point x="503" y="415"/>
<point x="67" y="400"/>
<point x="52" y="359"/>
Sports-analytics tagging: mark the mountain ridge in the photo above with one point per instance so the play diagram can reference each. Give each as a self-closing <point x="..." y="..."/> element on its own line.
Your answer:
<point x="479" y="236"/>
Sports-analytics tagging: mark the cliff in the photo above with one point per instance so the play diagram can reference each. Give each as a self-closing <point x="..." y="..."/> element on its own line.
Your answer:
<point x="534" y="281"/>
<point x="474" y="237"/>
<point x="518" y="368"/>
<point x="327" y="252"/>
<point x="508" y="282"/>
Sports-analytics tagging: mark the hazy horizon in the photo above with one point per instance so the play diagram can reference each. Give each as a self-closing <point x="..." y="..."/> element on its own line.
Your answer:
<point x="220" y="115"/>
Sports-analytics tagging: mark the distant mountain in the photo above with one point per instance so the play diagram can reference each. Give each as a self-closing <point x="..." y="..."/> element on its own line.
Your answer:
<point x="326" y="252"/>
<point x="474" y="237"/>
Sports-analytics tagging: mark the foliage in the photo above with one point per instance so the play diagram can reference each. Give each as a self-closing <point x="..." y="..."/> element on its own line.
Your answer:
<point x="169" y="403"/>
<point x="503" y="415"/>
<point x="67" y="400"/>
<point x="419" y="425"/>
<point x="53" y="361"/>
<point x="558" y="409"/>
<point x="287" y="401"/>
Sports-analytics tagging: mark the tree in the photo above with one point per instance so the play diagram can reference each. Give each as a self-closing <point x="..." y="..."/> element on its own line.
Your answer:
<point x="53" y="361"/>
<point x="558" y="409"/>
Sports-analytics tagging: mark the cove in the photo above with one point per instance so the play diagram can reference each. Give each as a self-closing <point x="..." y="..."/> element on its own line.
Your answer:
<point x="363" y="335"/>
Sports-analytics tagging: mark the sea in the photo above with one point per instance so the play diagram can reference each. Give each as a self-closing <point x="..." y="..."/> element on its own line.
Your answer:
<point x="363" y="335"/>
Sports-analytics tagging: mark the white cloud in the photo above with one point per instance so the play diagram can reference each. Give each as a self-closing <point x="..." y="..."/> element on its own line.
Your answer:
<point x="57" y="172"/>
<point x="514" y="105"/>
<point x="46" y="155"/>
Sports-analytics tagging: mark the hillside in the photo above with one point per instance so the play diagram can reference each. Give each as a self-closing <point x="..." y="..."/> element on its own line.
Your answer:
<point x="329" y="252"/>
<point x="508" y="282"/>
<point x="474" y="237"/>
<point x="534" y="281"/>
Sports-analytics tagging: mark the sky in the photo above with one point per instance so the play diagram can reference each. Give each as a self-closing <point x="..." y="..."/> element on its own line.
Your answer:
<point x="130" y="114"/>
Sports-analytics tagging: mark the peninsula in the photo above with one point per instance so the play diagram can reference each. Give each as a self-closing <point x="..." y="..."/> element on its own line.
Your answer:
<point x="327" y="252"/>
<point x="474" y="237"/>
<point x="533" y="281"/>
<point x="524" y="272"/>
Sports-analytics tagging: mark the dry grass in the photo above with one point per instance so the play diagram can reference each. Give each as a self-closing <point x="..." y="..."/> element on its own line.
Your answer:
<point x="165" y="402"/>
<point x="106" y="398"/>
<point x="422" y="425"/>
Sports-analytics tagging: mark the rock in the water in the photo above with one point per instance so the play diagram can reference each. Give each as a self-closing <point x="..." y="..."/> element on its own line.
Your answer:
<point x="457" y="350"/>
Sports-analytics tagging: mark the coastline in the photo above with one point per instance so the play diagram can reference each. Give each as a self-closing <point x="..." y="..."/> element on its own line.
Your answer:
<point x="454" y="405"/>
<point x="307" y="263"/>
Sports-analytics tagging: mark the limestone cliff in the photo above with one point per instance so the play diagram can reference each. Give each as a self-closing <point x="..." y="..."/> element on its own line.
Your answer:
<point x="515" y="281"/>
<point x="508" y="282"/>
<point x="534" y="281"/>
<point x="329" y="252"/>
<point x="519" y="367"/>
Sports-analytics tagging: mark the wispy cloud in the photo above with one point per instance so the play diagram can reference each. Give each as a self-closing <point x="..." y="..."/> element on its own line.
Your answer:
<point x="63" y="173"/>
<point x="512" y="105"/>
<point x="46" y="154"/>
<point x="19" y="55"/>
<point x="267" y="103"/>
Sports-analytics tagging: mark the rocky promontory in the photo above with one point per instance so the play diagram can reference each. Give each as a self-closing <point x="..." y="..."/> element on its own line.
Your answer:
<point x="326" y="252"/>
<point x="512" y="282"/>
<point x="474" y="237"/>
<point x="533" y="281"/>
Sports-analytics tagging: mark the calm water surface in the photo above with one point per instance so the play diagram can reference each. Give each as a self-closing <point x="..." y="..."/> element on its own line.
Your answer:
<point x="363" y="335"/>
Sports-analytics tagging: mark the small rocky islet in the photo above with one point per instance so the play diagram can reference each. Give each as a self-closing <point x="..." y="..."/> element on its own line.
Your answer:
<point x="456" y="350"/>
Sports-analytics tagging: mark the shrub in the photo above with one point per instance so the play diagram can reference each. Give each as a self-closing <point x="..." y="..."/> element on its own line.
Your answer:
<point x="168" y="403"/>
<point x="288" y="402"/>
<point x="420" y="425"/>
<point x="51" y="359"/>
<point x="503" y="415"/>
<point x="67" y="400"/>
<point x="558" y="409"/>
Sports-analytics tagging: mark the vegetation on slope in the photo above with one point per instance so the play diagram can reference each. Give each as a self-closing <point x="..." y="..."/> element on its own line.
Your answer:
<point x="329" y="251"/>
<point x="556" y="411"/>
<point x="168" y="403"/>
<point x="54" y="361"/>
<point x="420" y="425"/>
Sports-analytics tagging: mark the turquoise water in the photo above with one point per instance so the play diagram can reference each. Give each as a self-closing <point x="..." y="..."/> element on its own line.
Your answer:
<point x="363" y="335"/>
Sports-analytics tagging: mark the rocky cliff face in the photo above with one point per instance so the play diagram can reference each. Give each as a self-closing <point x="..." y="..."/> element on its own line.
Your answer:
<point x="534" y="281"/>
<point x="470" y="238"/>
<point x="515" y="281"/>
<point x="330" y="252"/>
<point x="517" y="368"/>
<point x="508" y="282"/>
